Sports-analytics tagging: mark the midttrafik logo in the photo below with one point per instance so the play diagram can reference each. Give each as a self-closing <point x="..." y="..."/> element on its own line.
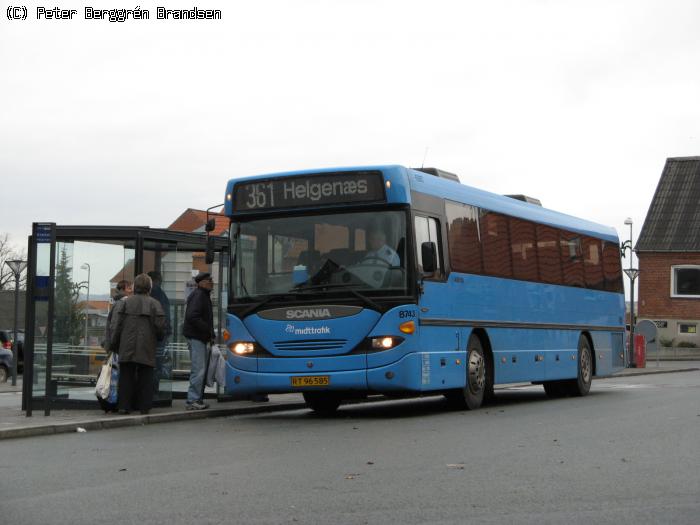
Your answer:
<point x="307" y="330"/>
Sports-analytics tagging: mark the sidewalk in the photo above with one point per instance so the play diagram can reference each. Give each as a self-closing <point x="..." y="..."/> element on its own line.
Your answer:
<point x="15" y="424"/>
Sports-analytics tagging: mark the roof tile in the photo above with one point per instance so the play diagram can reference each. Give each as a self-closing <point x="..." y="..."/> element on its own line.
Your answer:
<point x="673" y="221"/>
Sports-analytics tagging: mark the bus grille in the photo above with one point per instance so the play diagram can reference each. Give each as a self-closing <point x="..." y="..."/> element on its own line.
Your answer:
<point x="306" y="345"/>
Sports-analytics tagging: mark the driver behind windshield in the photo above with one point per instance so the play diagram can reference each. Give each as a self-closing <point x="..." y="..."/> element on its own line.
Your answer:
<point x="378" y="248"/>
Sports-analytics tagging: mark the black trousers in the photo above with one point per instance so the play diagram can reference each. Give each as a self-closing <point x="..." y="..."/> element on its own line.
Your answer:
<point x="135" y="390"/>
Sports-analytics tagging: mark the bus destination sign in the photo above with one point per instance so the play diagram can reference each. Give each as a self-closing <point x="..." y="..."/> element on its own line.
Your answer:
<point x="309" y="190"/>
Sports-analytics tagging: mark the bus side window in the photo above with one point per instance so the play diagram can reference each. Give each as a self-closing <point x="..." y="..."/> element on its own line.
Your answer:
<point x="495" y="242"/>
<point x="593" y="263"/>
<point x="463" y="241"/>
<point x="612" y="269"/>
<point x="427" y="229"/>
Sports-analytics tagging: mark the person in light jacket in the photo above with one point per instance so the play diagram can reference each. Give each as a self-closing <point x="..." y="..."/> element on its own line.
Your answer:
<point x="137" y="324"/>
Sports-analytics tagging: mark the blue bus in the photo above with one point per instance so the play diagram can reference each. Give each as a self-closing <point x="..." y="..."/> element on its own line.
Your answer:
<point x="354" y="281"/>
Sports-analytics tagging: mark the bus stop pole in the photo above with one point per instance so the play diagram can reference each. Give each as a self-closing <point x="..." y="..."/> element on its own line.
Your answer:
<point x="48" y="384"/>
<point x="631" y="343"/>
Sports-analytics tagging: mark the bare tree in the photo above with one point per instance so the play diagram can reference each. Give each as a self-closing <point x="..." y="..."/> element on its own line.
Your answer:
<point x="9" y="253"/>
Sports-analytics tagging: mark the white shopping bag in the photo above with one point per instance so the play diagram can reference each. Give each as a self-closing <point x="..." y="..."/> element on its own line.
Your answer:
<point x="104" y="380"/>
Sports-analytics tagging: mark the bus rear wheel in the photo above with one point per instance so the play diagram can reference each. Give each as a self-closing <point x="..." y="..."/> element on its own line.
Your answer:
<point x="323" y="403"/>
<point x="580" y="386"/>
<point x="478" y="378"/>
<point x="554" y="389"/>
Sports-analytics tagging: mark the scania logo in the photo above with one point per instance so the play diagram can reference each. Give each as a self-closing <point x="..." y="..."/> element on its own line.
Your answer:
<point x="309" y="313"/>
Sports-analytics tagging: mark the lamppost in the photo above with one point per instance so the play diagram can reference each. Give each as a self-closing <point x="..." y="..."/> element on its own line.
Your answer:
<point x="17" y="267"/>
<point x="86" y="266"/>
<point x="632" y="273"/>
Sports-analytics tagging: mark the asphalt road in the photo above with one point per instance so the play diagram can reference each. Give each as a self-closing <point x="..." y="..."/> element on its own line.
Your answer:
<point x="627" y="453"/>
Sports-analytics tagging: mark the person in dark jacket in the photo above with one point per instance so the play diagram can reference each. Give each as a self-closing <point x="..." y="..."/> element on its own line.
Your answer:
<point x="198" y="328"/>
<point x="137" y="324"/>
<point x="163" y="368"/>
<point x="123" y="289"/>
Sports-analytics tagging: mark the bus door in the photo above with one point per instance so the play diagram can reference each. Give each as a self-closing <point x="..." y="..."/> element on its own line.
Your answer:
<point x="434" y="301"/>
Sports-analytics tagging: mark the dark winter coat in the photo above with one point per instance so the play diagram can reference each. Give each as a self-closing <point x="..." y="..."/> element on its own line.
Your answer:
<point x="159" y="295"/>
<point x="199" y="316"/>
<point x="137" y="323"/>
<point x="108" y="328"/>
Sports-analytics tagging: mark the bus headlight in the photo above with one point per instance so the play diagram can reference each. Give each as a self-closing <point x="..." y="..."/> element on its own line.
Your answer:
<point x="242" y="347"/>
<point x="385" y="342"/>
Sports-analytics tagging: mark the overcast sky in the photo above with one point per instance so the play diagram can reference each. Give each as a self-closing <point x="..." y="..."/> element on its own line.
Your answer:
<point x="577" y="103"/>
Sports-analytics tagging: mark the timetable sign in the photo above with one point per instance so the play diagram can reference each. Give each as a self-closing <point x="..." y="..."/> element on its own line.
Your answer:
<point x="319" y="189"/>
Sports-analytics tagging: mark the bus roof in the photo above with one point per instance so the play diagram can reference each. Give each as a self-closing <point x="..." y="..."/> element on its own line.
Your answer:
<point x="404" y="180"/>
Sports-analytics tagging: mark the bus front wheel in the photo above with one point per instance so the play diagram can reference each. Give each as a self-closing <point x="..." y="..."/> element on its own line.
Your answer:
<point x="478" y="378"/>
<point x="323" y="403"/>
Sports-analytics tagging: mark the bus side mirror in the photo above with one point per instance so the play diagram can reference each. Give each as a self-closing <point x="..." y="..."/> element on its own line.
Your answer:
<point x="209" y="255"/>
<point x="210" y="225"/>
<point x="428" y="253"/>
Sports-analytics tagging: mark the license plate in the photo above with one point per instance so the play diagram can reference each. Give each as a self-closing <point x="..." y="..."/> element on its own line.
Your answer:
<point x="310" y="380"/>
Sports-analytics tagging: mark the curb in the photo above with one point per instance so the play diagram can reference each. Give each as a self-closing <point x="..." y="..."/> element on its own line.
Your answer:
<point x="151" y="419"/>
<point x="133" y="421"/>
<point x="649" y="372"/>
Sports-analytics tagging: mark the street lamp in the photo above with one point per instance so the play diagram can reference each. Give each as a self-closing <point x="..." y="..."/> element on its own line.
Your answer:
<point x="17" y="268"/>
<point x="86" y="266"/>
<point x="632" y="273"/>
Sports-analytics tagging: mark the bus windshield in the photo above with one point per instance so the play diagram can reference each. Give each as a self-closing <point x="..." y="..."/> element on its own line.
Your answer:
<point x="350" y="252"/>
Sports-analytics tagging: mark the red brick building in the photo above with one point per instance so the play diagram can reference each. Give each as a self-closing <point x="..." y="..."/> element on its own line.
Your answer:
<point x="669" y="253"/>
<point x="189" y="221"/>
<point x="192" y="220"/>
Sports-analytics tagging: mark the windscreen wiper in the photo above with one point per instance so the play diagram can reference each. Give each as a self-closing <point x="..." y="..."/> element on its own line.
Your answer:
<point x="263" y="302"/>
<point x="369" y="302"/>
<point x="291" y="293"/>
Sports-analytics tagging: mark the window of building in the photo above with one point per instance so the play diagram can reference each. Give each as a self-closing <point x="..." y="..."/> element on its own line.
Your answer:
<point x="685" y="281"/>
<point x="687" y="328"/>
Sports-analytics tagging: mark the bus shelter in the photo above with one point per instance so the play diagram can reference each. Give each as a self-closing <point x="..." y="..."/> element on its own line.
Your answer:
<point x="72" y="278"/>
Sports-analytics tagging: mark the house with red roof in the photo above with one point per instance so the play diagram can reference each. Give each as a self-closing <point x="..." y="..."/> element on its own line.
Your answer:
<point x="668" y="250"/>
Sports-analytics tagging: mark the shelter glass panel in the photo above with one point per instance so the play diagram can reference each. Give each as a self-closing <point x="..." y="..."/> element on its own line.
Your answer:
<point x="40" y="305"/>
<point x="87" y="275"/>
<point x="162" y="263"/>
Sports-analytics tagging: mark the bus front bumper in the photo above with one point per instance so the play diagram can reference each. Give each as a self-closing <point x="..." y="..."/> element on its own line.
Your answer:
<point x="415" y="372"/>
